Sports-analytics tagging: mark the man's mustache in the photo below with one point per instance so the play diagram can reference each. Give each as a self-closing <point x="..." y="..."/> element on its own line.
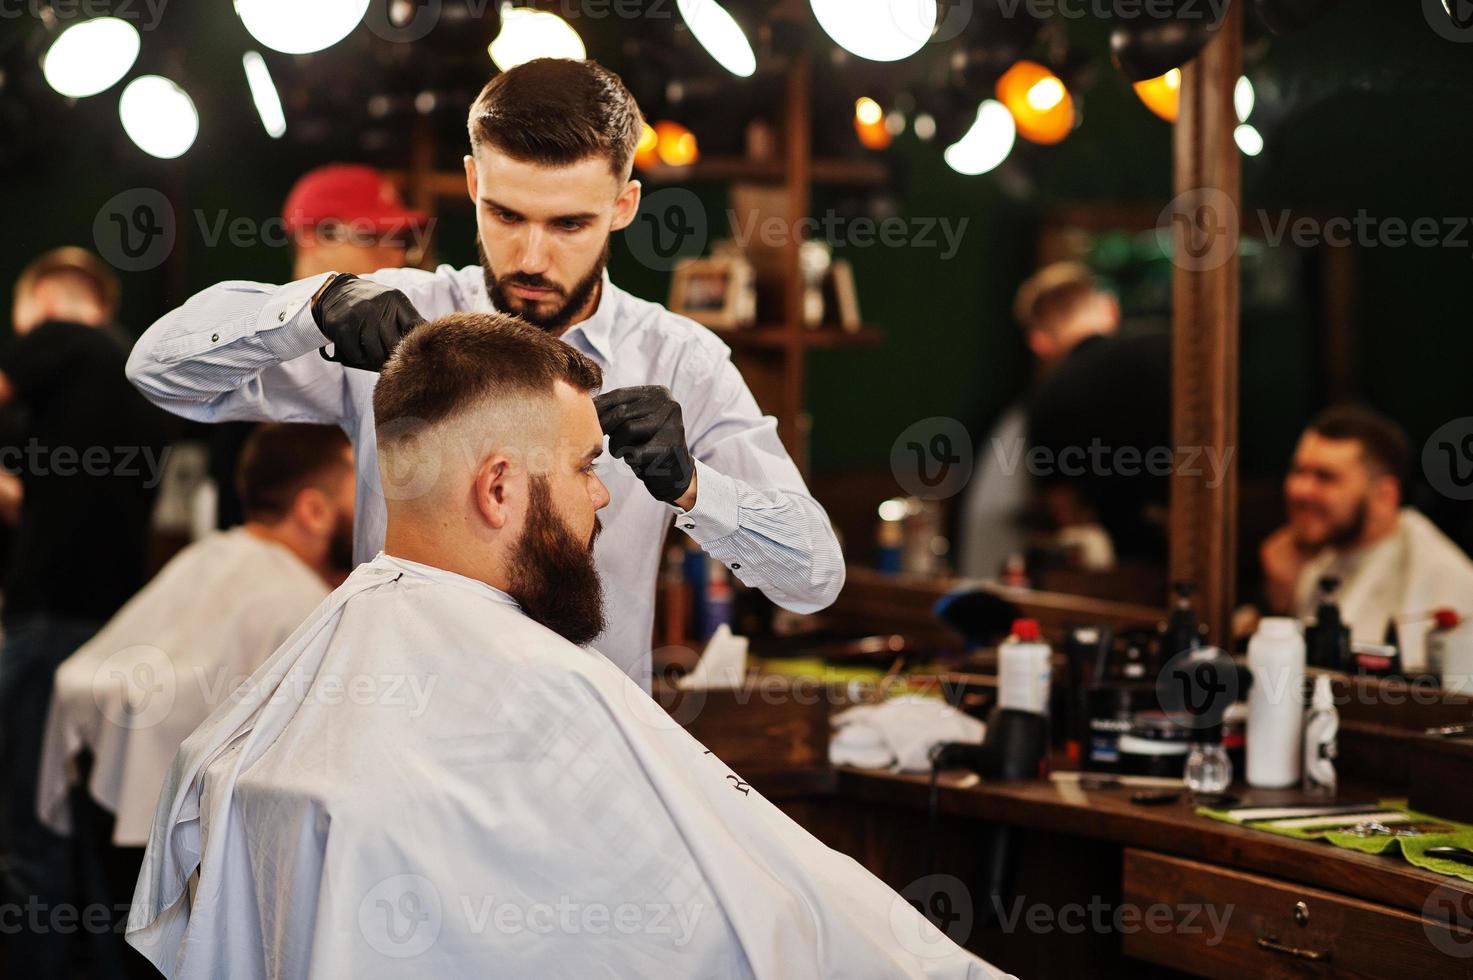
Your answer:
<point x="531" y="281"/>
<point x="598" y="527"/>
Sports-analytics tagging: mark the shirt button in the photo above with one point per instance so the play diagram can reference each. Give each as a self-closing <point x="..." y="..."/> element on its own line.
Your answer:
<point x="690" y="527"/>
<point x="281" y="317"/>
<point x="214" y="338"/>
<point x="736" y="565"/>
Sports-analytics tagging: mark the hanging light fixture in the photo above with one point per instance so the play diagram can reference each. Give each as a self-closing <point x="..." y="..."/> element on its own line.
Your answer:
<point x="158" y="116"/>
<point x="264" y="94"/>
<point x="879" y="30"/>
<point x="527" y="33"/>
<point x="645" y="156"/>
<point x="1039" y="101"/>
<point x="720" y="35"/>
<point x="297" y="27"/>
<point x="90" y="57"/>
<point x="675" y="145"/>
<point x="987" y="144"/>
<point x="1162" y="94"/>
<point x="869" y="124"/>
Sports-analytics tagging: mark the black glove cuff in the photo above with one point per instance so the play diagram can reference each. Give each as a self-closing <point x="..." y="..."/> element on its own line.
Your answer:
<point x="337" y="280"/>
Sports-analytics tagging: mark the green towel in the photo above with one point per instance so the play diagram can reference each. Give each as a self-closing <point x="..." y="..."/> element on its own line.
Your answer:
<point x="1412" y="848"/>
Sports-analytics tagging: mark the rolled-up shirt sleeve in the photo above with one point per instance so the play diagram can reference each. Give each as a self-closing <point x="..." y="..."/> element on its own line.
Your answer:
<point x="753" y="512"/>
<point x="241" y="351"/>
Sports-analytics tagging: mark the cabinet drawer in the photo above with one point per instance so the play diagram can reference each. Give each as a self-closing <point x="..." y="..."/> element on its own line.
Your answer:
<point x="1217" y="922"/>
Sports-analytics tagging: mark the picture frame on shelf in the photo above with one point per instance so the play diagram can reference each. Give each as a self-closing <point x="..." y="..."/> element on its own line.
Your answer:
<point x="719" y="292"/>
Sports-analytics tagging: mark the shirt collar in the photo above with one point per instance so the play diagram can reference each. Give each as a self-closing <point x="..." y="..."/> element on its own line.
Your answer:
<point x="597" y="331"/>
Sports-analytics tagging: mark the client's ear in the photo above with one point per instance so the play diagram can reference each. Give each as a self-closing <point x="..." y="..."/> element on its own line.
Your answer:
<point x="495" y="490"/>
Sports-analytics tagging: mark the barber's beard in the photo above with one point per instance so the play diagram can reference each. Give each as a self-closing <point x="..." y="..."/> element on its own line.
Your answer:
<point x="553" y="576"/>
<point x="573" y="300"/>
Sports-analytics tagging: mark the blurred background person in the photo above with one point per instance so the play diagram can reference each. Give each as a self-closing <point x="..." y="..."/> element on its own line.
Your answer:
<point x="204" y="624"/>
<point x="92" y="457"/>
<point x="1102" y="404"/>
<point x="1091" y="384"/>
<point x="341" y="217"/>
<point x="1346" y="520"/>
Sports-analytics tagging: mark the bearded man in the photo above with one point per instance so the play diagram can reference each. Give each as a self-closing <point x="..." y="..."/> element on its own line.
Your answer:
<point x="534" y="813"/>
<point x="1346" y="521"/>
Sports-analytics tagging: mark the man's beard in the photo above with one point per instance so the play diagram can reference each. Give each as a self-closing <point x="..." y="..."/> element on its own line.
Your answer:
<point x="573" y="300"/>
<point x="340" y="545"/>
<point x="1349" y="533"/>
<point x="553" y="576"/>
<point x="1344" y="534"/>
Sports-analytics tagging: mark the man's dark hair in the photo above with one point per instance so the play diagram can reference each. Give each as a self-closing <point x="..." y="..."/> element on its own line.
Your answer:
<point x="280" y="460"/>
<point x="556" y="112"/>
<point x="1383" y="443"/>
<point x="446" y="365"/>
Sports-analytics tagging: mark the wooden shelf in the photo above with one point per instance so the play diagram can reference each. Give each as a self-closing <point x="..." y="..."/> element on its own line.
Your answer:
<point x="779" y="337"/>
<point x="859" y="172"/>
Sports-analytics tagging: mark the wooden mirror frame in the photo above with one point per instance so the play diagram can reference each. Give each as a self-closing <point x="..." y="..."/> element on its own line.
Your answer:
<point x="1207" y="182"/>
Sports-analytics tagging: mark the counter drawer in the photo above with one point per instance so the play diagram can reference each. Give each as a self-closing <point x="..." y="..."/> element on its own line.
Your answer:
<point x="1265" y="927"/>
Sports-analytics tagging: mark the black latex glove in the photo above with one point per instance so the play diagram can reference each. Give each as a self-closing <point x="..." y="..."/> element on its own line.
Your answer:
<point x="364" y="320"/>
<point x="645" y="430"/>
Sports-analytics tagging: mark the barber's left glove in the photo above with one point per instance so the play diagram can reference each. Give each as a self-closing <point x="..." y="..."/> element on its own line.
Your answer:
<point x="645" y="430"/>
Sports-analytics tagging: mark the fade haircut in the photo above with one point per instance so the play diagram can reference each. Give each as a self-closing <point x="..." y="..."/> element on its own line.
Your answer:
<point x="556" y="112"/>
<point x="1383" y="444"/>
<point x="448" y="366"/>
<point x="280" y="460"/>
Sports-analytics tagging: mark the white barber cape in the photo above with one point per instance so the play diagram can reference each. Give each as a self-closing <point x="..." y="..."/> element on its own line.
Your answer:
<point x="1405" y="576"/>
<point x="423" y="782"/>
<point x="175" y="651"/>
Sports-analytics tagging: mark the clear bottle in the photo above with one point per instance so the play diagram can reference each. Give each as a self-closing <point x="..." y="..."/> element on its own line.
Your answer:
<point x="1320" y="737"/>
<point x="1209" y="770"/>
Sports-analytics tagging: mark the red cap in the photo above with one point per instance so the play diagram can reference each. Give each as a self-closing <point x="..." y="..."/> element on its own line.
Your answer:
<point x="1026" y="629"/>
<point x="350" y="194"/>
<point x="1446" y="618"/>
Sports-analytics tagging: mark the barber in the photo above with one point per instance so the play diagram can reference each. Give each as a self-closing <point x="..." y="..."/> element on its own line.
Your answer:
<point x="552" y="145"/>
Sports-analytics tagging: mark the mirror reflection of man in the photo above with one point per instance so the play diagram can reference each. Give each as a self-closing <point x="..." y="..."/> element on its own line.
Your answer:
<point x="552" y="148"/>
<point x="1343" y="495"/>
<point x="1091" y="383"/>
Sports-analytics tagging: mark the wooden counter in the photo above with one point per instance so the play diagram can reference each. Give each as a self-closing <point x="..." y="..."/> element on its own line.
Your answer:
<point x="1287" y="908"/>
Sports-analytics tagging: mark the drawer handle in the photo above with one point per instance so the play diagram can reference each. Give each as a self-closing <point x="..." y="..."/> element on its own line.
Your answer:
<point x="1298" y="952"/>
